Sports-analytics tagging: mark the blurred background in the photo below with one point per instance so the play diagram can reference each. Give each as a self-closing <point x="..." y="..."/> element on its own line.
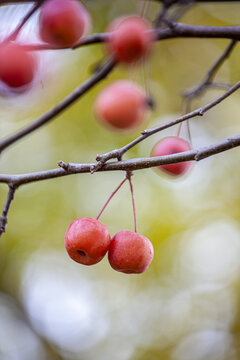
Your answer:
<point x="187" y="304"/>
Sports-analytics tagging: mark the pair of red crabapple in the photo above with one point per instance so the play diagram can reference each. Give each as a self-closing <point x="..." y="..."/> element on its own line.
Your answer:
<point x="87" y="241"/>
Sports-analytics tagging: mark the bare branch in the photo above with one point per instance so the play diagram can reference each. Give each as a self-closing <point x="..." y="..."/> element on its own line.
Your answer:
<point x="57" y="109"/>
<point x="174" y="30"/>
<point x="4" y="216"/>
<point x="170" y="31"/>
<point x="118" y="153"/>
<point x="207" y="82"/>
<point x="15" y="33"/>
<point x="88" y="40"/>
<point x="178" y="30"/>
<point x="126" y="165"/>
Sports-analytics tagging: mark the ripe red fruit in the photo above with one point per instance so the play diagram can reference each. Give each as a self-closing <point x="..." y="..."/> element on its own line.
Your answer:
<point x="121" y="105"/>
<point x="63" y="22"/>
<point x="130" y="39"/>
<point x="130" y="252"/>
<point x="17" y="66"/>
<point x="172" y="145"/>
<point x="87" y="240"/>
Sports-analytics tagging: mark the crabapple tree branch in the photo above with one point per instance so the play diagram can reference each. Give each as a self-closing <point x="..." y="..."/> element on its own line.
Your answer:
<point x="208" y="80"/>
<point x="125" y="165"/>
<point x="174" y="30"/>
<point x="15" y="33"/>
<point x="178" y="30"/>
<point x="118" y="153"/>
<point x="170" y="30"/>
<point x="62" y="105"/>
<point x="4" y="215"/>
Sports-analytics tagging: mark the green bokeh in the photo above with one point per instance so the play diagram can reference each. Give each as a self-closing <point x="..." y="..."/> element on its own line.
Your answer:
<point x="169" y="211"/>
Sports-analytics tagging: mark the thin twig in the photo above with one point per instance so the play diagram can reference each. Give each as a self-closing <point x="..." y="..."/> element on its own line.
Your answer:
<point x="4" y="216"/>
<point x="174" y="30"/>
<point x="118" y="153"/>
<point x="207" y="81"/>
<point x="88" y="40"/>
<point x="16" y="31"/>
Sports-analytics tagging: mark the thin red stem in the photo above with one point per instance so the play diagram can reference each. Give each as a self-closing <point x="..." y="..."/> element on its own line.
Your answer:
<point x="110" y="197"/>
<point x="133" y="203"/>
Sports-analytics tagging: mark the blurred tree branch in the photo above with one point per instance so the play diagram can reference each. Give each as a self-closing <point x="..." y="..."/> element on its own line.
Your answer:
<point x="208" y="80"/>
<point x="62" y="105"/>
<point x="170" y="29"/>
<point x="118" y="153"/>
<point x="174" y="30"/>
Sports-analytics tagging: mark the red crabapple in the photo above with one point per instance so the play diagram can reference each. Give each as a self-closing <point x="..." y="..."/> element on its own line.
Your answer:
<point x="130" y="39"/>
<point x="17" y="66"/>
<point x="121" y="105"/>
<point x="130" y="252"/>
<point x="63" y="22"/>
<point x="172" y="145"/>
<point x="87" y="240"/>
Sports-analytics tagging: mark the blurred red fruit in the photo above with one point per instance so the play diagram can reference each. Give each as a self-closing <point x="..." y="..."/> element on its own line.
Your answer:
<point x="130" y="39"/>
<point x="121" y="105"/>
<point x="130" y="252"/>
<point x="63" y="22"/>
<point x="87" y="240"/>
<point x="172" y="145"/>
<point x="17" y="66"/>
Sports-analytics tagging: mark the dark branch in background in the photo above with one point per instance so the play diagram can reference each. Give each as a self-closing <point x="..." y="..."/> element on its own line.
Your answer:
<point x="174" y="30"/>
<point x="88" y="40"/>
<point x="65" y="103"/>
<point x="118" y="153"/>
<point x="15" y="33"/>
<point x="178" y="30"/>
<point x="82" y="89"/>
<point x="4" y="216"/>
<point x="170" y="30"/>
<point x="183" y="6"/>
<point x="208" y="81"/>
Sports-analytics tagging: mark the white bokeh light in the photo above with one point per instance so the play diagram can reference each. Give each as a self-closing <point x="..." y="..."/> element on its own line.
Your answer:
<point x="17" y="340"/>
<point x="211" y="253"/>
<point x="62" y="304"/>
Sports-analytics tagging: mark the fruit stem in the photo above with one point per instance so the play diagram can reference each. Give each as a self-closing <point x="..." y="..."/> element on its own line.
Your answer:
<point x="129" y="175"/>
<point x="110" y="197"/>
